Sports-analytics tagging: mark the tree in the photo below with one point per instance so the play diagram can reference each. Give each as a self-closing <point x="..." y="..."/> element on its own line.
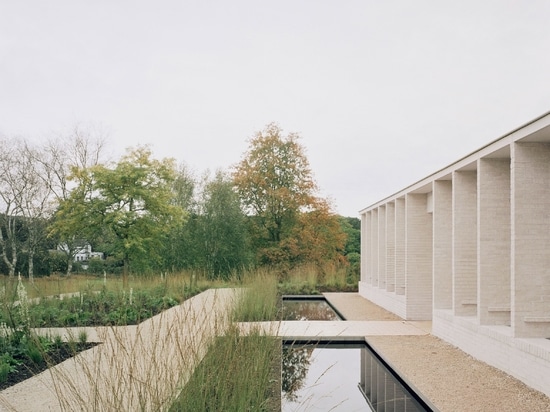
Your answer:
<point x="318" y="237"/>
<point x="35" y="204"/>
<point x="131" y="203"/>
<point x="9" y="192"/>
<point x="352" y="227"/>
<point x="274" y="182"/>
<point x="221" y="234"/>
<point x="276" y="185"/>
<point x="58" y="159"/>
<point x="179" y="245"/>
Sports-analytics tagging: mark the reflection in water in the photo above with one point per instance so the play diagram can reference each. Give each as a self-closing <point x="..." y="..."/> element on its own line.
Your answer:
<point x="336" y="377"/>
<point x="312" y="309"/>
<point x="296" y="361"/>
<point x="327" y="379"/>
<point x="383" y="391"/>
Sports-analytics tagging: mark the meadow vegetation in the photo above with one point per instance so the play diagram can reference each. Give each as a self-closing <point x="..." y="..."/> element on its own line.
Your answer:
<point x="103" y="301"/>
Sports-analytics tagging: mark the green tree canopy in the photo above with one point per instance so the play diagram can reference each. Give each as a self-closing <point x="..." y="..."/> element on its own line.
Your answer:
<point x="132" y="204"/>
<point x="221" y="229"/>
<point x="352" y="227"/>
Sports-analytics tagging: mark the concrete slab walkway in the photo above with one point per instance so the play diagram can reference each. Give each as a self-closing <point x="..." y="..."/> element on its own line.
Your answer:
<point x="333" y="330"/>
<point x="363" y="319"/>
<point x="136" y="368"/>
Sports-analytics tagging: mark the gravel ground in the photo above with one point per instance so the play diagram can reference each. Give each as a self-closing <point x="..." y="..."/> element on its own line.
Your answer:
<point x="452" y="380"/>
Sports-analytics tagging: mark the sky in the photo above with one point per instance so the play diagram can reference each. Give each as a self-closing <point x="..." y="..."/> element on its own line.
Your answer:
<point x="382" y="93"/>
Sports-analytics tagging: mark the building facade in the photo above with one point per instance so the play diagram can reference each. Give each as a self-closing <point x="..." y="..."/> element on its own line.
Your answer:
<point x="468" y="248"/>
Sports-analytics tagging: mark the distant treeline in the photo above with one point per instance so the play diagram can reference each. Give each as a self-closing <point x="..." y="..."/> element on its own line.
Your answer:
<point x="148" y="215"/>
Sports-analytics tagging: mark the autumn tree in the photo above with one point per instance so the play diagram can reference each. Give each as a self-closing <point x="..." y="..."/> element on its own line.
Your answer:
<point x="317" y="238"/>
<point x="274" y="180"/>
<point x="131" y="203"/>
<point x="277" y="188"/>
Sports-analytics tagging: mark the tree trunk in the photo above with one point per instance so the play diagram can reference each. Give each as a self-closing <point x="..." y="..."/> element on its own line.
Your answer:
<point x="31" y="265"/>
<point x="69" y="265"/>
<point x="125" y="270"/>
<point x="10" y="264"/>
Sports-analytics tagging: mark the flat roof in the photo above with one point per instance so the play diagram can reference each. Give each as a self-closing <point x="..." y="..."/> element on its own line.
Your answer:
<point x="536" y="130"/>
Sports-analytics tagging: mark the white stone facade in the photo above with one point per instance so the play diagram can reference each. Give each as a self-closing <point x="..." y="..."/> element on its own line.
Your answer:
<point x="468" y="247"/>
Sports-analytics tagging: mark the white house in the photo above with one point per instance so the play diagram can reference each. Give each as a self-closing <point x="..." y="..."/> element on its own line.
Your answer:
<point x="83" y="252"/>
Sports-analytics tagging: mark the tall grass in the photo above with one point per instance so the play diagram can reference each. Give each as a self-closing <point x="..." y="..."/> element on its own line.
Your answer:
<point x="238" y="374"/>
<point x="191" y="357"/>
<point x="241" y="371"/>
<point x="259" y="299"/>
<point x="313" y="280"/>
<point x="56" y="285"/>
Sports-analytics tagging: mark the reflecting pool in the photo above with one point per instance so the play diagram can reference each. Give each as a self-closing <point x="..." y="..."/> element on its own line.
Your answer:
<point x="342" y="377"/>
<point x="308" y="308"/>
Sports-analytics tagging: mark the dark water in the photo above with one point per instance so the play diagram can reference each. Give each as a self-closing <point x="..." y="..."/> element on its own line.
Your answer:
<point x="345" y="377"/>
<point x="308" y="309"/>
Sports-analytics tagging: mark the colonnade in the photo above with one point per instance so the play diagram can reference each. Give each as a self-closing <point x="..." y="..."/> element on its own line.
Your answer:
<point x="471" y="242"/>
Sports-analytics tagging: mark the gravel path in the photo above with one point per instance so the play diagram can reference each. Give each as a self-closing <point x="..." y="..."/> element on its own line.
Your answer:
<point x="451" y="379"/>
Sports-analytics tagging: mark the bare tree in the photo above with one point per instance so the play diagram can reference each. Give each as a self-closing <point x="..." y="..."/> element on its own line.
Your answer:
<point x="33" y="180"/>
<point x="36" y="205"/>
<point x="12" y="189"/>
<point x="59" y="157"/>
<point x="78" y="149"/>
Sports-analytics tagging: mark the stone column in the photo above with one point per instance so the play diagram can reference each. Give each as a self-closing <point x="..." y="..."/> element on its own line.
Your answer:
<point x="443" y="244"/>
<point x="390" y="247"/>
<point x="418" y="262"/>
<point x="464" y="243"/>
<point x="493" y="177"/>
<point x="530" y="209"/>
<point x="365" y="248"/>
<point x="382" y="247"/>
<point x="375" y="244"/>
<point x="400" y="246"/>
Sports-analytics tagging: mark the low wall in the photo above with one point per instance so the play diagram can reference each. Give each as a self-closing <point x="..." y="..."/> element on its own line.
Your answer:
<point x="388" y="300"/>
<point x="526" y="359"/>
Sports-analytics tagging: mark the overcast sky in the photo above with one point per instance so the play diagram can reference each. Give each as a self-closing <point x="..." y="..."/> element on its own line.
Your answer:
<point x="383" y="93"/>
